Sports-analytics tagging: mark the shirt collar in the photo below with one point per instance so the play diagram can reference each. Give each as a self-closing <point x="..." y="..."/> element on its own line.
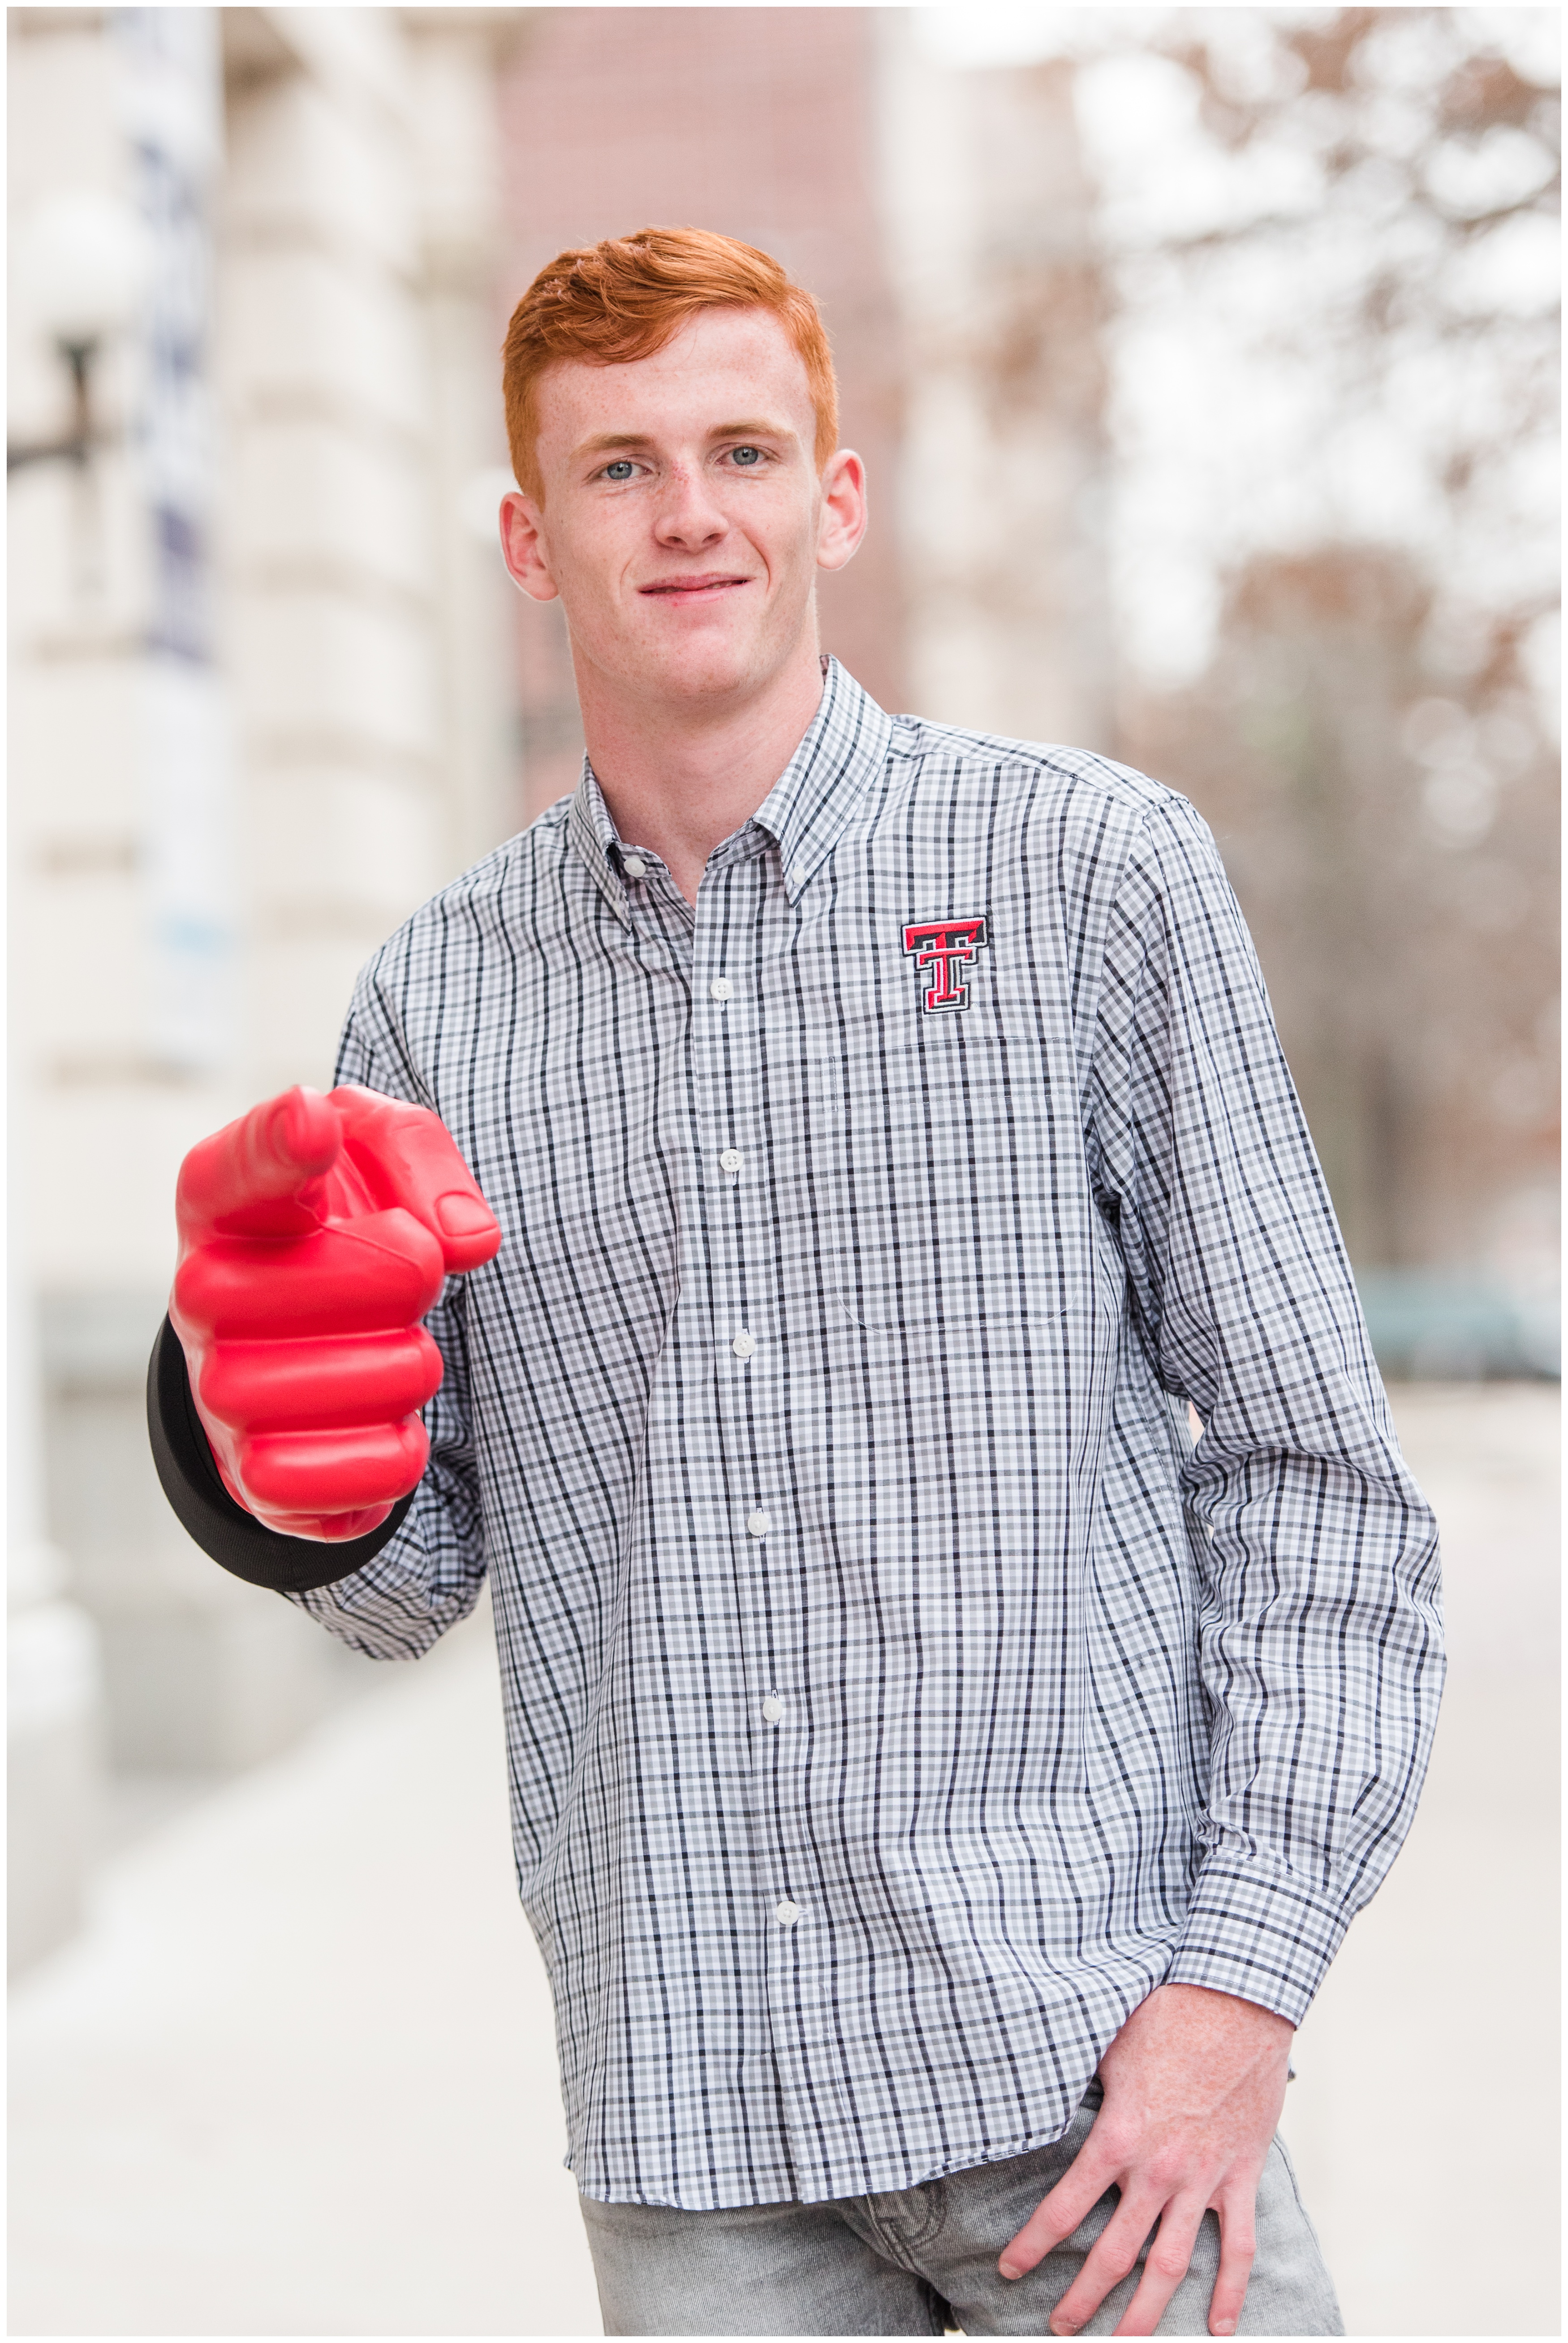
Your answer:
<point x="844" y="748"/>
<point x="593" y="833"/>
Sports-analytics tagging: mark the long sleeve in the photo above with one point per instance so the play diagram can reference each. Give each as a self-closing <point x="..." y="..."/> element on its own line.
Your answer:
<point x="1315" y="1553"/>
<point x="428" y="1577"/>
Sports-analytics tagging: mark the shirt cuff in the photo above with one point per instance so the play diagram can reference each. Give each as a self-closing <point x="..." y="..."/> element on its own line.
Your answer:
<point x="223" y="1529"/>
<point x="1258" y="1931"/>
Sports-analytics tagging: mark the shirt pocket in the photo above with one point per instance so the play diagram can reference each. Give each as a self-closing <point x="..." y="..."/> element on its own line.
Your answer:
<point x="855" y="1046"/>
<point x="943" y="1150"/>
<point x="930" y="1112"/>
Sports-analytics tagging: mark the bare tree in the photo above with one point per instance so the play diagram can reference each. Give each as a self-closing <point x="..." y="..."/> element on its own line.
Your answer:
<point x="1394" y="846"/>
<point x="1358" y="226"/>
<point x="1370" y="738"/>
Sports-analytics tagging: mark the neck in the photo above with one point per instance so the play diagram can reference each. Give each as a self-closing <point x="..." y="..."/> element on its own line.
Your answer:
<point x="681" y="778"/>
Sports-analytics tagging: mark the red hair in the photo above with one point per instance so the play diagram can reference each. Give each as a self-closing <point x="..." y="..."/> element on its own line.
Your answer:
<point x="623" y="299"/>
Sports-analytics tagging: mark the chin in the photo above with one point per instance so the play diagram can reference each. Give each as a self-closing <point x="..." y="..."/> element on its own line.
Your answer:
<point x="711" y="669"/>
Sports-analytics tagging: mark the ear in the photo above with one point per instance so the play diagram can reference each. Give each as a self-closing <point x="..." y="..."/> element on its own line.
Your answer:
<point x="842" y="524"/>
<point x="523" y="546"/>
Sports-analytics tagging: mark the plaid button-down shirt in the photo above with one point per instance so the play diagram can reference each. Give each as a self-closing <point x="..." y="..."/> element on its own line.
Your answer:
<point x="895" y="1694"/>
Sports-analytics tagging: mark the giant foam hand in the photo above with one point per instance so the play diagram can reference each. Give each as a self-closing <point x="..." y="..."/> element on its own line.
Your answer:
<point x="314" y="1234"/>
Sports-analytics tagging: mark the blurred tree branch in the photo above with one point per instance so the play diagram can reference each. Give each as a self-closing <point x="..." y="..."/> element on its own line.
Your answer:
<point x="1369" y="738"/>
<point x="1414" y="146"/>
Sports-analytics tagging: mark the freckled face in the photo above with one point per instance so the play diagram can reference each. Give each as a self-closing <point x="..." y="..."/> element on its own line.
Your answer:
<point x="683" y="521"/>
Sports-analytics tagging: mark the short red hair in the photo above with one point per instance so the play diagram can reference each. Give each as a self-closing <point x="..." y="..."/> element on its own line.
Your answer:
<point x="623" y="299"/>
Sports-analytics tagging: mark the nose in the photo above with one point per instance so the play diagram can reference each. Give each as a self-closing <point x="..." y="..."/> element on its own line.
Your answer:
<point x="689" y="518"/>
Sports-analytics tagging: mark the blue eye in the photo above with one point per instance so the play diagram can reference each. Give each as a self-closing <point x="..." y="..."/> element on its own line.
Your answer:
<point x="620" y="470"/>
<point x="748" y="455"/>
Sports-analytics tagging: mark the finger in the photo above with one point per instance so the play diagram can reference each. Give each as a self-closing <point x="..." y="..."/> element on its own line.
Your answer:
<point x="410" y="1159"/>
<point x="1075" y="2195"/>
<point x="334" y="1472"/>
<point x="1168" y="2260"/>
<point x="351" y="1379"/>
<point x="375" y="1276"/>
<point x="1112" y="2256"/>
<point x="327" y="1529"/>
<point x="254" y="1176"/>
<point x="1238" y="2249"/>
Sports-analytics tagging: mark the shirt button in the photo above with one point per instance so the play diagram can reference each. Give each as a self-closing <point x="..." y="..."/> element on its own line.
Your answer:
<point x="730" y="1159"/>
<point x="785" y="1914"/>
<point x="634" y="866"/>
<point x="772" y="1708"/>
<point x="797" y="876"/>
<point x="743" y="1345"/>
<point x="758" y="1523"/>
<point x="720" y="988"/>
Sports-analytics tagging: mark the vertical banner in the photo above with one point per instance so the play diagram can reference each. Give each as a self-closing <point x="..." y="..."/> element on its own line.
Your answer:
<point x="174" y="119"/>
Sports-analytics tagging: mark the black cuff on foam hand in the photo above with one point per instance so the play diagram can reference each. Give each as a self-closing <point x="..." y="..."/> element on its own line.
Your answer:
<point x="243" y="1545"/>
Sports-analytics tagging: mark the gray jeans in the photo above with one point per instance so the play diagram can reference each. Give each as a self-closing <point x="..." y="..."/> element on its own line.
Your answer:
<point x="916" y="2261"/>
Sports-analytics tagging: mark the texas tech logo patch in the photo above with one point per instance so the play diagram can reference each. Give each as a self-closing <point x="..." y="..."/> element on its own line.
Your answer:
<point x="939" y="949"/>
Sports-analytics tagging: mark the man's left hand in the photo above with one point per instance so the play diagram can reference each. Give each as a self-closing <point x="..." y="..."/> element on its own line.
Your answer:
<point x="1193" y="2084"/>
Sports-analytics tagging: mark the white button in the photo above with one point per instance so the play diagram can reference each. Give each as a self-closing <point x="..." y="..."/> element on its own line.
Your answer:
<point x="743" y="1345"/>
<point x="797" y="876"/>
<point x="720" y="988"/>
<point x="772" y="1708"/>
<point x="786" y="1913"/>
<point x="634" y="866"/>
<point x="758" y="1523"/>
<point x="730" y="1159"/>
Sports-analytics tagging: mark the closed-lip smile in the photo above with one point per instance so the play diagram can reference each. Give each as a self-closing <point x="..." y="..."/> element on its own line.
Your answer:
<point x="714" y="581"/>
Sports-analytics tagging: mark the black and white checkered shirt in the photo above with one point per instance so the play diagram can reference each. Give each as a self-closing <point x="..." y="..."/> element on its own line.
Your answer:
<point x="895" y="1694"/>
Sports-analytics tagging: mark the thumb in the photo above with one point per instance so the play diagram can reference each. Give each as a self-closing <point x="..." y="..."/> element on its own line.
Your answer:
<point x="408" y="1158"/>
<point x="253" y="1177"/>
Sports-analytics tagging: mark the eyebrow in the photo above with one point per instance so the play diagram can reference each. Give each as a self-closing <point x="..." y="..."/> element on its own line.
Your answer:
<point x="604" y="443"/>
<point x="756" y="426"/>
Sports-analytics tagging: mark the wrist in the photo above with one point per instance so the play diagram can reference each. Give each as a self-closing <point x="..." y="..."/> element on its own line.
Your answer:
<point x="1201" y="1998"/>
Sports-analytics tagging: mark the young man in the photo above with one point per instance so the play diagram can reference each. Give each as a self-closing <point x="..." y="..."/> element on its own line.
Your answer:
<point x="939" y="1786"/>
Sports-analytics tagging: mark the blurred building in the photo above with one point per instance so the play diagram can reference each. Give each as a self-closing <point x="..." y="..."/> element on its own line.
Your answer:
<point x="259" y="710"/>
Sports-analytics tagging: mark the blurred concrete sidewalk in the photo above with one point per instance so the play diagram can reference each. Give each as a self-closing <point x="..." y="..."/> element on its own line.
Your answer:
<point x="299" y="2076"/>
<point x="1425" y="2121"/>
<point x="298" y="2079"/>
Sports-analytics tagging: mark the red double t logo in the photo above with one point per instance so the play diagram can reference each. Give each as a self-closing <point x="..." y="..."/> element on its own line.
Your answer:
<point x="938" y="945"/>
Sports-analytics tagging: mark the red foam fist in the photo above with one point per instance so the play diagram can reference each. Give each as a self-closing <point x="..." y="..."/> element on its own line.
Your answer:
<point x="314" y="1234"/>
